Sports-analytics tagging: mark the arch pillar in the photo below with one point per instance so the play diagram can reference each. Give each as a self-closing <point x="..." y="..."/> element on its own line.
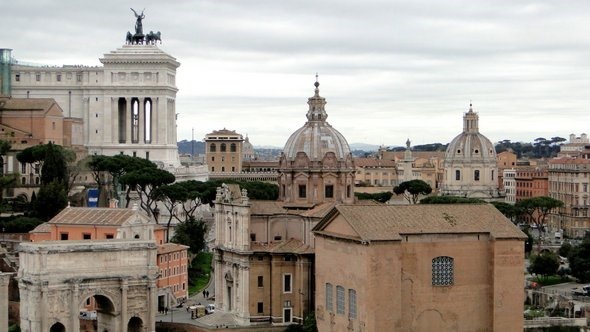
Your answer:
<point x="74" y="308"/>
<point x="124" y="318"/>
<point x="4" y="281"/>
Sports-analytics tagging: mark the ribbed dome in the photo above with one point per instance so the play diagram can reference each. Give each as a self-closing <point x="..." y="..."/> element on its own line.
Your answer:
<point x="316" y="137"/>
<point x="470" y="145"/>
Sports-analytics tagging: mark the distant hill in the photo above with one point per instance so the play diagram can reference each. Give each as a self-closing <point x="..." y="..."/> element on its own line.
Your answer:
<point x="185" y="147"/>
<point x="364" y="147"/>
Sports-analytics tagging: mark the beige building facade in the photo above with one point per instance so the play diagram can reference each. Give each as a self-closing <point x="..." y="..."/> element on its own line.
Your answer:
<point x="128" y="105"/>
<point x="569" y="182"/>
<point x="223" y="151"/>
<point x="264" y="249"/>
<point x="418" y="268"/>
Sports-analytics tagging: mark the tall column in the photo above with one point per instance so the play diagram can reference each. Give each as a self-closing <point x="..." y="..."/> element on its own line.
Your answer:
<point x="44" y="306"/>
<point x="114" y="119"/>
<point x="124" y="319"/>
<point x="152" y="303"/>
<point x="141" y="124"/>
<point x="74" y="309"/>
<point x="128" y="117"/>
<point x="4" y="281"/>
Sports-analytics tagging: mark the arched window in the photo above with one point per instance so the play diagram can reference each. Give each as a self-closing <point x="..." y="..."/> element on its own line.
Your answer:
<point x="147" y="109"/>
<point x="476" y="175"/>
<point x="222" y="147"/>
<point x="458" y="175"/>
<point x="329" y="298"/>
<point x="352" y="304"/>
<point x="340" y="299"/>
<point x="212" y="147"/>
<point x="443" y="271"/>
<point x="232" y="147"/>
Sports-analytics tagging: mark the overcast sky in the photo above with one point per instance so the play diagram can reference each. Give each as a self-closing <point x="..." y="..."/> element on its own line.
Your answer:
<point x="389" y="70"/>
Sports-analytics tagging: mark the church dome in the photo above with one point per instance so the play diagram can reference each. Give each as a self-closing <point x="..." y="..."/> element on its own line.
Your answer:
<point x="470" y="145"/>
<point x="470" y="163"/>
<point x="317" y="137"/>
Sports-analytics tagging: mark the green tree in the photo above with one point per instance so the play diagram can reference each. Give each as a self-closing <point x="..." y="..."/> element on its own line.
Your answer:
<point x="145" y="181"/>
<point x="565" y="249"/>
<point x="379" y="197"/>
<point x="54" y="168"/>
<point x="579" y="261"/>
<point x="412" y="189"/>
<point x="52" y="198"/>
<point x="450" y="200"/>
<point x="508" y="210"/>
<point x="537" y="209"/>
<point x="545" y="264"/>
<point x="191" y="233"/>
<point x="108" y="170"/>
<point x="6" y="180"/>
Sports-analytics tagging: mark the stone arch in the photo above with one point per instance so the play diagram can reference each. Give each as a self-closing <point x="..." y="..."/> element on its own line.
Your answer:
<point x="135" y="324"/>
<point x="57" y="327"/>
<point x="429" y="320"/>
<point x="124" y="286"/>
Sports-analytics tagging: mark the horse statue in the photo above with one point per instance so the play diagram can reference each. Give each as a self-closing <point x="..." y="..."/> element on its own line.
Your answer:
<point x="129" y="38"/>
<point x="153" y="38"/>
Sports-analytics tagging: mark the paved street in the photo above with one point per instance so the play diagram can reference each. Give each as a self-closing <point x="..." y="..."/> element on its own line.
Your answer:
<point x="182" y="315"/>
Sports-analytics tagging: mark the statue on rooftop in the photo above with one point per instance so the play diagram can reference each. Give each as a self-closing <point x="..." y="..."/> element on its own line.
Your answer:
<point x="138" y="24"/>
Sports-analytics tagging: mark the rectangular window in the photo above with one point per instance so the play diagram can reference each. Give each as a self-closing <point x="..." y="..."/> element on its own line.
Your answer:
<point x="38" y="77"/>
<point x="340" y="300"/>
<point x="329" y="191"/>
<point x="78" y="77"/>
<point x="260" y="281"/>
<point x="476" y="175"/>
<point x="302" y="191"/>
<point x="351" y="304"/>
<point x="253" y="237"/>
<point x="443" y="271"/>
<point x="109" y="236"/>
<point x="63" y="236"/>
<point x="58" y="77"/>
<point x="17" y="77"/>
<point x="329" y="297"/>
<point x="260" y="307"/>
<point x="86" y="236"/>
<point x="458" y="175"/>
<point x="287" y="283"/>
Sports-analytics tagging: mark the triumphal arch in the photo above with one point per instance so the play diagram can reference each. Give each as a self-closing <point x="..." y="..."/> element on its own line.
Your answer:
<point x="117" y="278"/>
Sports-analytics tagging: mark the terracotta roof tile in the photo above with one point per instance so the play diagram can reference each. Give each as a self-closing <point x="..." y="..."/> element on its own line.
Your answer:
<point x="28" y="103"/>
<point x="372" y="162"/>
<point x="389" y="222"/>
<point x="43" y="228"/>
<point x="170" y="247"/>
<point x="93" y="216"/>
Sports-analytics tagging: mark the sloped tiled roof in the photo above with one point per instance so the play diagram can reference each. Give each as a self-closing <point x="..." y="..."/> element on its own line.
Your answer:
<point x="372" y="162"/>
<point x="28" y="103"/>
<point x="266" y="207"/>
<point x="276" y="207"/>
<point x="92" y="216"/>
<point x="283" y="247"/>
<point x="389" y="222"/>
<point x="170" y="247"/>
<point x="43" y="228"/>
